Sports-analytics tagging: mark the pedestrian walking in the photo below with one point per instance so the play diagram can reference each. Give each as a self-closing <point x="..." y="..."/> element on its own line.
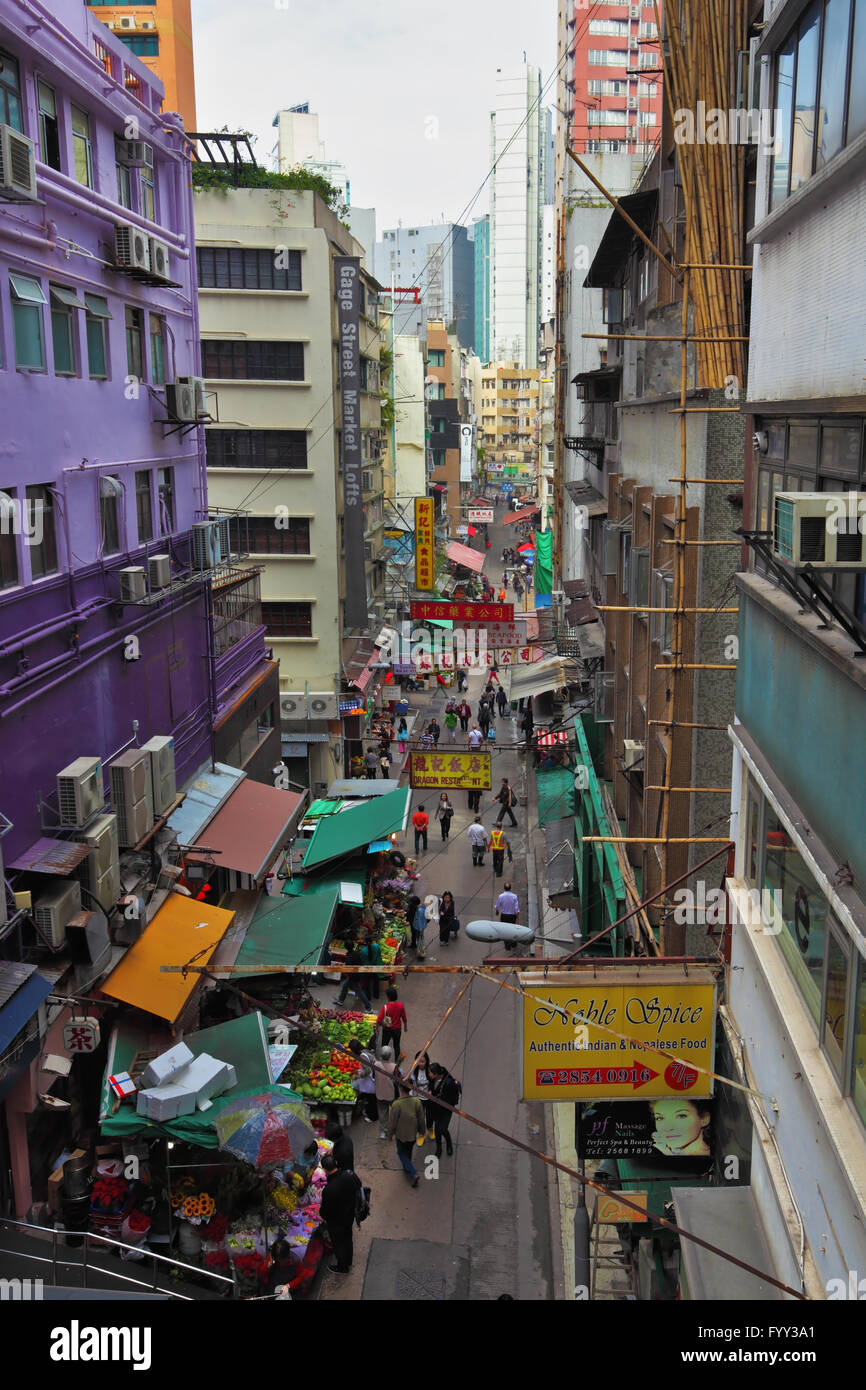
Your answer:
<point x="447" y="919"/>
<point x="406" y="1123"/>
<point x="419" y="1078"/>
<point x="371" y="762"/>
<point x="420" y="820"/>
<point x="476" y="738"/>
<point x="435" y="730"/>
<point x="464" y="714"/>
<point x="391" y="1019"/>
<point x="516" y="585"/>
<point x="507" y="910"/>
<point x="505" y="557"/>
<point x="365" y="1081"/>
<point x="443" y="1087"/>
<point x="419" y="926"/>
<point x="502" y="594"/>
<point x="402" y="738"/>
<point x="386" y="1086"/>
<point x="478" y="838"/>
<point x="385" y="763"/>
<point x="462" y="679"/>
<point x="483" y="717"/>
<point x="493" y="675"/>
<point x="499" y="845"/>
<point x="506" y="798"/>
<point x="355" y="983"/>
<point x="344" y="1148"/>
<point x="502" y="702"/>
<point x="451" y="721"/>
<point x="338" y="1212"/>
<point x="444" y="813"/>
<point x="441" y="682"/>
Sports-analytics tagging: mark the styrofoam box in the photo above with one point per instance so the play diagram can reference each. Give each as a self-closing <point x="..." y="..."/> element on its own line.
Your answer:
<point x="164" y="1067"/>
<point x="165" y="1102"/>
<point x="205" y="1076"/>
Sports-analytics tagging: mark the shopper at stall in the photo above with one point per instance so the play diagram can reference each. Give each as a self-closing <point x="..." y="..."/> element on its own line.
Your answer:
<point x="420" y="820"/>
<point x="284" y="1266"/>
<point x="478" y="838"/>
<point x="391" y="1019"/>
<point x="371" y="954"/>
<point x="338" y="1212"/>
<point x="419" y="1078"/>
<point x="444" y="813"/>
<point x="365" y="1082"/>
<point x="464" y="714"/>
<point x="386" y="1086"/>
<point x="442" y="1087"/>
<point x="372" y="762"/>
<point x="354" y="983"/>
<point x="344" y="1149"/>
<point x="406" y="1123"/>
<point x="447" y="918"/>
<point x="411" y="907"/>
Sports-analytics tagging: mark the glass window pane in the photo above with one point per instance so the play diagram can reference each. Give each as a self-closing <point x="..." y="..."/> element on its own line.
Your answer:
<point x="96" y="357"/>
<point x="43" y="548"/>
<point x="798" y="906"/>
<point x="803" y="445"/>
<point x="857" y="98"/>
<point x="834" y="60"/>
<point x="840" y="449"/>
<point x="859" y="1089"/>
<point x="835" y="1003"/>
<point x="144" y="509"/>
<point x="805" y="97"/>
<point x="29" y="350"/>
<point x="61" y="334"/>
<point x="753" y="824"/>
<point x="785" y="106"/>
<point x="10" y="92"/>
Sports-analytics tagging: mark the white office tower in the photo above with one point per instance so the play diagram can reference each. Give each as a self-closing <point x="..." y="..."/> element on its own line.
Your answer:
<point x="517" y="200"/>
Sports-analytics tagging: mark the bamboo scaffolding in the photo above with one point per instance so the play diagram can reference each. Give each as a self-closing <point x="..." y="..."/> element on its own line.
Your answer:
<point x="693" y="666"/>
<point x="641" y="608"/>
<point x="665" y="338"/>
<point x="725" y="790"/>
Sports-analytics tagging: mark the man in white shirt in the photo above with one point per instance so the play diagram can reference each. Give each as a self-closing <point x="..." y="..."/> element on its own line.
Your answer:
<point x="476" y="738"/>
<point x="507" y="909"/>
<point x="478" y="838"/>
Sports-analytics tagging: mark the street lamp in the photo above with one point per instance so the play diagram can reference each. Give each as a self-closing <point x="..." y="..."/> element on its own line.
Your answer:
<point x="509" y="932"/>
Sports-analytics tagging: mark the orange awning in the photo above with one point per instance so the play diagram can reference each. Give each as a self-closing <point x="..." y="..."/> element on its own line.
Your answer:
<point x="182" y="928"/>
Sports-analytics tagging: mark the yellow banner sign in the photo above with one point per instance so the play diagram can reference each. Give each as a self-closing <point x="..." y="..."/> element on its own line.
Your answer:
<point x="450" y="771"/>
<point x="608" y="1207"/>
<point x="597" y="1039"/>
<point x="425" y="553"/>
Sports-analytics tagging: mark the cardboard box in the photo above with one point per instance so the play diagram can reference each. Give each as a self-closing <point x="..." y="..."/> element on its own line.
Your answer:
<point x="55" y="1181"/>
<point x="206" y="1077"/>
<point x="164" y="1067"/>
<point x="165" y="1102"/>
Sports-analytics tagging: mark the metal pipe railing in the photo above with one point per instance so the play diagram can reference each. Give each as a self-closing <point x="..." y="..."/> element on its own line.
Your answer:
<point x="87" y="1236"/>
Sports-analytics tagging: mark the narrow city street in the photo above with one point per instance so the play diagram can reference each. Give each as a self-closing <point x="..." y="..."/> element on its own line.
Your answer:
<point x="477" y="1226"/>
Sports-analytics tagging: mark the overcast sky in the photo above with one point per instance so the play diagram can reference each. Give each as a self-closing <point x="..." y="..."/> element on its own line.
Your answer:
<point x="379" y="75"/>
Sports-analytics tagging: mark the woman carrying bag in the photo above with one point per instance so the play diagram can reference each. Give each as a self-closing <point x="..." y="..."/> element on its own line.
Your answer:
<point x="448" y="923"/>
<point x="444" y="813"/>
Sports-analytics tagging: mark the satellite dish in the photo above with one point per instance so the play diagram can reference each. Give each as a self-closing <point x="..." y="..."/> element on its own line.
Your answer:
<point x="488" y="931"/>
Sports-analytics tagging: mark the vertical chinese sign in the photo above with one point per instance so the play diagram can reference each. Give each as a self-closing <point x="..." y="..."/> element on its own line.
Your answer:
<point x="425" y="565"/>
<point x="347" y="272"/>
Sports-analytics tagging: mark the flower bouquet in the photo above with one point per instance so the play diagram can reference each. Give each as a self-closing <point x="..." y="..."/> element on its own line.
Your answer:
<point x="135" y="1227"/>
<point x="251" y="1270"/>
<point x="197" y="1210"/>
<point x="109" y="1196"/>
<point x="215" y="1229"/>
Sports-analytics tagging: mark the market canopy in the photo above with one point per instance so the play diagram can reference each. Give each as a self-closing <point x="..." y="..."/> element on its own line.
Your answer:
<point x="348" y="883"/>
<point x="288" y="931"/>
<point x="356" y="827"/>
<point x="182" y="928"/>
<point x="582" y="495"/>
<point x="541" y="676"/>
<point x="523" y="515"/>
<point x="466" y="556"/>
<point x="21" y="993"/>
<point x="249" y="831"/>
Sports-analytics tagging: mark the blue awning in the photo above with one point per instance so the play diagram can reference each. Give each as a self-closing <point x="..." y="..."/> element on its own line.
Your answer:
<point x="20" y="1007"/>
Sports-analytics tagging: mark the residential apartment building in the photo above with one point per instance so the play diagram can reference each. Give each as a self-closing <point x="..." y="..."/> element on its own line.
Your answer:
<point x="298" y="144"/>
<point x="508" y="418"/>
<point x="440" y="261"/>
<point x="480" y="232"/>
<point x="516" y="202"/>
<point x="611" y="76"/>
<point x="159" y="32"/>
<point x="797" y="983"/>
<point x="269" y="346"/>
<point x="442" y="377"/>
<point x="410" y="414"/>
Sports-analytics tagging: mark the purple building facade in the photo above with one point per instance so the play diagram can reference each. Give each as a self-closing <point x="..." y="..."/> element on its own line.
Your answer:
<point x="102" y="462"/>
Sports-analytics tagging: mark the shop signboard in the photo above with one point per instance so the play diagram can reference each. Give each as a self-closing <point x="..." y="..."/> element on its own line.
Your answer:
<point x="454" y="771"/>
<point x="619" y="1035"/>
<point x="81" y="1036"/>
<point x="609" y="1207"/>
<point x="347" y="279"/>
<point x="662" y="1130"/>
<point x="482" y="515"/>
<point x="467" y="453"/>
<point x="468" y="613"/>
<point x="425" y="557"/>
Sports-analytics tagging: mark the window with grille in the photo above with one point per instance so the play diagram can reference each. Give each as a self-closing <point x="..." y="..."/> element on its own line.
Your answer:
<point x="245" y="268"/>
<point x="256" y="448"/>
<point x="224" y="359"/>
<point x="143" y="506"/>
<point x="288" y="619"/>
<point x="279" y="535"/>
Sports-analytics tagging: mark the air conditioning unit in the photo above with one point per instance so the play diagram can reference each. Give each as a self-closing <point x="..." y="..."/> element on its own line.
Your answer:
<point x="210" y="543"/>
<point x="136" y="153"/>
<point x="160" y="750"/>
<point x="323" y="705"/>
<point x="146" y="24"/>
<point x="132" y="247"/>
<point x="131" y="795"/>
<point x="17" y="167"/>
<point x="79" y="791"/>
<point x="633" y="44"/>
<point x="632" y="752"/>
<point x="632" y="103"/>
<point x="180" y="403"/>
<point x="634" y="11"/>
<point x="293" y="706"/>
<point x="196" y="384"/>
<point x="160" y="264"/>
<point x="133" y="584"/>
<point x="159" y="572"/>
<point x="100" y="871"/>
<point x="127" y="22"/>
<point x="54" y="908"/>
<point x="821" y="529"/>
<point x="89" y="946"/>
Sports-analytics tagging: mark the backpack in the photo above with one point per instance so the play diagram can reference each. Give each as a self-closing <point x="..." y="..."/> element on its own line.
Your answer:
<point x="362" y="1201"/>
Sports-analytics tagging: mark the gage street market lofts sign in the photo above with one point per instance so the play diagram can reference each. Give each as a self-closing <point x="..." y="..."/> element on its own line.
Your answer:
<point x="347" y="272"/>
<point x="457" y="771"/>
<point x="604" y="1049"/>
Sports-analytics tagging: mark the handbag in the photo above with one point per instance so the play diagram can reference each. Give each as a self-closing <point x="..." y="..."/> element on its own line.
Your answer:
<point x="455" y="926"/>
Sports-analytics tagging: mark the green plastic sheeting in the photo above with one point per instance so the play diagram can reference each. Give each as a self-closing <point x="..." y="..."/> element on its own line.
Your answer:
<point x="555" y="792"/>
<point x="543" y="573"/>
<point x="242" y="1042"/>
<point x="336" y="836"/>
<point x="288" y="931"/>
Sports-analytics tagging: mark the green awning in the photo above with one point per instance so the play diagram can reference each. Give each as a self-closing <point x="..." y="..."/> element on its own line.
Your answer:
<point x="447" y="623"/>
<point x="353" y="874"/>
<point x="351" y="830"/>
<point x="288" y="931"/>
<point x="321" y="808"/>
<point x="242" y="1042"/>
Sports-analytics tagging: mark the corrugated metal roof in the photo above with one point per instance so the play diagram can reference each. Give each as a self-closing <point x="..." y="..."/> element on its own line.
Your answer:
<point x="46" y="856"/>
<point x="248" y="832"/>
<point x="205" y="794"/>
<point x="13" y="974"/>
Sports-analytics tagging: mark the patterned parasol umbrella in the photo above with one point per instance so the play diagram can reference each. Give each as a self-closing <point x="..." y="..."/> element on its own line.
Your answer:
<point x="264" y="1129"/>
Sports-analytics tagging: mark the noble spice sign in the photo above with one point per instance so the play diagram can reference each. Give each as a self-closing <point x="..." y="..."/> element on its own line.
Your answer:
<point x="619" y="1035"/>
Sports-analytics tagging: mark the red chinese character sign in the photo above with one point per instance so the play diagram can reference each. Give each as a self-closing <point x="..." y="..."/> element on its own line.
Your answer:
<point x="425" y="557"/>
<point x="454" y="771"/>
<point x="81" y="1036"/>
<point x="467" y="613"/>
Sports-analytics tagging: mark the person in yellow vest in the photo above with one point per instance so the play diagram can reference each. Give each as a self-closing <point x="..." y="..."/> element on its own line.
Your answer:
<point x="499" y="845"/>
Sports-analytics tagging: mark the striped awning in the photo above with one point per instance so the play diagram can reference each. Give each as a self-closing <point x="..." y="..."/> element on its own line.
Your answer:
<point x="548" y="740"/>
